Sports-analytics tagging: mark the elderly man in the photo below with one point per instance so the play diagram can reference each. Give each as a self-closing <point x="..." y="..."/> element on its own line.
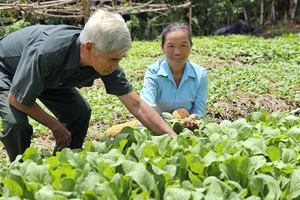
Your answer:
<point x="47" y="62"/>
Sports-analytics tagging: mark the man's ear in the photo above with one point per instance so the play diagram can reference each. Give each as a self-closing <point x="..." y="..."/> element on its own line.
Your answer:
<point x="88" y="47"/>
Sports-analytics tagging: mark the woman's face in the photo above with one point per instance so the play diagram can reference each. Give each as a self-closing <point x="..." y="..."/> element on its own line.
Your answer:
<point x="177" y="48"/>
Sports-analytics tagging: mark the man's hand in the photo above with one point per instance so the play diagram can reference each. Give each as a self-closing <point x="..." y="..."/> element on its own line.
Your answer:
<point x="172" y="134"/>
<point x="145" y="114"/>
<point x="62" y="136"/>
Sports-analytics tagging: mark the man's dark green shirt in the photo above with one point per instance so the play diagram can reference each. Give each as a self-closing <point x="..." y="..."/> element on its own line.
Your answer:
<point x="42" y="57"/>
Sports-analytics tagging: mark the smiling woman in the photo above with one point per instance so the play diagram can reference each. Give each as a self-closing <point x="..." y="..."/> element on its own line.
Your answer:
<point x="175" y="82"/>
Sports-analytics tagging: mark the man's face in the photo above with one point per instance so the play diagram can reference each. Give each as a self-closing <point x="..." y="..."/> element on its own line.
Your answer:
<point x="105" y="63"/>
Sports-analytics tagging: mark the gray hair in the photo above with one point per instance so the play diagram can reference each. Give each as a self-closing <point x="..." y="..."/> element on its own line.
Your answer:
<point x="174" y="27"/>
<point x="107" y="31"/>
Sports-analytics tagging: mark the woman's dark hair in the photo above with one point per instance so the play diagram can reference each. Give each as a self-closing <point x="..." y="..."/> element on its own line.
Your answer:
<point x="174" y="27"/>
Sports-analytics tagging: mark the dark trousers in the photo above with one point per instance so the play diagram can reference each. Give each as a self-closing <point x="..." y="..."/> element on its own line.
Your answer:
<point x="67" y="105"/>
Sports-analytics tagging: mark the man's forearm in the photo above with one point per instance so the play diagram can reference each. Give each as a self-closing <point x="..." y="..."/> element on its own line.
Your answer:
<point x="35" y="112"/>
<point x="151" y="119"/>
<point x="145" y="114"/>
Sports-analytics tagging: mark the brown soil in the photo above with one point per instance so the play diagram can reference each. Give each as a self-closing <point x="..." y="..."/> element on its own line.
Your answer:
<point x="240" y="108"/>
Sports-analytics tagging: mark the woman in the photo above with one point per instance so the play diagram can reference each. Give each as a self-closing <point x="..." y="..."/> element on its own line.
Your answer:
<point x="175" y="82"/>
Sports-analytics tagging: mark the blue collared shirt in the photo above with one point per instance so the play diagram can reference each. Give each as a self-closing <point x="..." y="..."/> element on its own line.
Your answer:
<point x="162" y="94"/>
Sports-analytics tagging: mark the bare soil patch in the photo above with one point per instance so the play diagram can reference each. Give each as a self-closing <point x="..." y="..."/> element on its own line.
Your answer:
<point x="240" y="108"/>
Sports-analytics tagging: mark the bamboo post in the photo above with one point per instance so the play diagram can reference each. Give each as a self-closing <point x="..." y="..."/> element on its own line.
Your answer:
<point x="261" y="12"/>
<point x="190" y="17"/>
<point x="273" y="11"/>
<point x="85" y="9"/>
<point x="293" y="8"/>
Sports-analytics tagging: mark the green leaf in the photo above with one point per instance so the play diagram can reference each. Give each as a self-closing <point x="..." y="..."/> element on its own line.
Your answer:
<point x="31" y="153"/>
<point x="176" y="194"/>
<point x="109" y="172"/>
<point x="89" y="195"/>
<point x="119" y="144"/>
<point x="256" y="186"/>
<point x="67" y="184"/>
<point x="197" y="183"/>
<point x="243" y="128"/>
<point x="216" y="189"/>
<point x="273" y="153"/>
<point x="255" y="163"/>
<point x="45" y="193"/>
<point x="139" y="174"/>
<point x="210" y="158"/>
<point x="288" y="155"/>
<point x="295" y="133"/>
<point x="196" y="165"/>
<point x="256" y="117"/>
<point x="13" y="187"/>
<point x="162" y="146"/>
<point x="225" y="146"/>
<point x="167" y="116"/>
<point x="294" y="191"/>
<point x="212" y="128"/>
<point x="117" y="184"/>
<point x="37" y="173"/>
<point x="273" y="191"/>
<point x="256" y="145"/>
<point x="52" y="162"/>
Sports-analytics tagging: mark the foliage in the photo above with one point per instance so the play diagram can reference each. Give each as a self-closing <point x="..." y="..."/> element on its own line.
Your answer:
<point x="256" y="157"/>
<point x="16" y="26"/>
<point x="253" y="157"/>
<point x="207" y="16"/>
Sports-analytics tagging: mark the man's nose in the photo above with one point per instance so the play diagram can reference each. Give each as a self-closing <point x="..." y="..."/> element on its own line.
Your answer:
<point x="115" y="66"/>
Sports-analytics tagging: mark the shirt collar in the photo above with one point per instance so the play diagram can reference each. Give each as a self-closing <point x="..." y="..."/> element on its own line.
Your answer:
<point x="164" y="69"/>
<point x="73" y="60"/>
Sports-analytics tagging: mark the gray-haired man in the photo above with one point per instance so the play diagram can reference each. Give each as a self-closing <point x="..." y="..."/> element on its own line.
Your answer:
<point x="47" y="62"/>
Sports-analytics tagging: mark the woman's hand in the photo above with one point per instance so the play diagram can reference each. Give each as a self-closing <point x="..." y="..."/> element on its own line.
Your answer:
<point x="190" y="122"/>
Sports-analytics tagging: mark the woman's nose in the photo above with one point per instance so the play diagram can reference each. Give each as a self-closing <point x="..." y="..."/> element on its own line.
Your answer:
<point x="177" y="51"/>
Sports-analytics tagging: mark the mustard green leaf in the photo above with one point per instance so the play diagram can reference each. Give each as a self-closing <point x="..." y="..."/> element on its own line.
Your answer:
<point x="288" y="156"/>
<point x="176" y="194"/>
<point x="273" y="153"/>
<point x="294" y="191"/>
<point x="13" y="187"/>
<point x="37" y="173"/>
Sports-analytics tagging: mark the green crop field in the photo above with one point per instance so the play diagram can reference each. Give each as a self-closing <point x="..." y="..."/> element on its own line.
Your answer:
<point x="246" y="147"/>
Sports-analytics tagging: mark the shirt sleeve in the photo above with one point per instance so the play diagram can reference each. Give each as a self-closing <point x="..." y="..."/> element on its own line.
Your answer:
<point x="199" y="106"/>
<point x="150" y="88"/>
<point x="28" y="81"/>
<point x="116" y="83"/>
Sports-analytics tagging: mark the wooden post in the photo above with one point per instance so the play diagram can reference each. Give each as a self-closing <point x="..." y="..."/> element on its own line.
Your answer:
<point x="190" y="17"/>
<point x="85" y="9"/>
<point x="293" y="8"/>
<point x="261" y="12"/>
<point x="273" y="11"/>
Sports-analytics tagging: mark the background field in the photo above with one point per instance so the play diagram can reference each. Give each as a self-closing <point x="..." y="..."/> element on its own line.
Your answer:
<point x="245" y="74"/>
<point x="246" y="147"/>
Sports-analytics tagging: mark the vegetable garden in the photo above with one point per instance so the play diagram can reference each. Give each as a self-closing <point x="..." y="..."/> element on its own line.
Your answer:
<point x="246" y="147"/>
